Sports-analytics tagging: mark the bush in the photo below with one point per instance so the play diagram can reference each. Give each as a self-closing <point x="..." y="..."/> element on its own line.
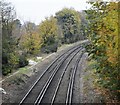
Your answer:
<point x="13" y="60"/>
<point x="50" y="48"/>
<point x="6" y="69"/>
<point x="22" y="61"/>
<point x="9" y="62"/>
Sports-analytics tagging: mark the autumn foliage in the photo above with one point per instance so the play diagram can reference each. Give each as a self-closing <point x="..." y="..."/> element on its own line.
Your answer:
<point x="103" y="34"/>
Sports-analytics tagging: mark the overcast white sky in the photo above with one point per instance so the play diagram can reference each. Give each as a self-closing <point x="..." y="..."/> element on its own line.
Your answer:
<point x="37" y="10"/>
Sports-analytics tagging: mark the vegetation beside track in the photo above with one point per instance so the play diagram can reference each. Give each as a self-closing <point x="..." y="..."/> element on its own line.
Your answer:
<point x="103" y="34"/>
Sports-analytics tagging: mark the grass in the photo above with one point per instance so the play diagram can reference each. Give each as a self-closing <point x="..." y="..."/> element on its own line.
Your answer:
<point x="23" y="70"/>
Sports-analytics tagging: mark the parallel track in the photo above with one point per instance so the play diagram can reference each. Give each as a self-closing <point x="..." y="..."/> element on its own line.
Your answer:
<point x="52" y="71"/>
<point x="71" y="82"/>
<point x="42" y="93"/>
<point x="28" y="93"/>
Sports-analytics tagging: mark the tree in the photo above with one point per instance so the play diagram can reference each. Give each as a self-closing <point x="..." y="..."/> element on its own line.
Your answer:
<point x="49" y="32"/>
<point x="16" y="32"/>
<point x="9" y="55"/>
<point x="84" y="25"/>
<point x="103" y="33"/>
<point x="31" y="43"/>
<point x="69" y="20"/>
<point x="31" y="40"/>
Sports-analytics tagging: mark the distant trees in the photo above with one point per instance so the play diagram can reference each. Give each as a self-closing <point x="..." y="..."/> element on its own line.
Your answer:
<point x="70" y="22"/>
<point x="16" y="32"/>
<point x="31" y="40"/>
<point x="20" y="41"/>
<point x="31" y="44"/>
<point x="84" y="25"/>
<point x="49" y="31"/>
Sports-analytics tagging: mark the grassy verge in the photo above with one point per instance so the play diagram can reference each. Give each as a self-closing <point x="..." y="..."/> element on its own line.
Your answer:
<point x="19" y="77"/>
<point x="24" y="70"/>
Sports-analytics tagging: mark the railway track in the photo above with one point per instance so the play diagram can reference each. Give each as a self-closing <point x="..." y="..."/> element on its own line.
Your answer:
<point x="71" y="82"/>
<point x="71" y="79"/>
<point x="54" y="72"/>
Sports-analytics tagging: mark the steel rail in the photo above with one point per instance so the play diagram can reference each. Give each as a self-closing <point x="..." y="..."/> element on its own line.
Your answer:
<point x="26" y="95"/>
<point x="58" y="85"/>
<point x="42" y="93"/>
<point x="71" y="82"/>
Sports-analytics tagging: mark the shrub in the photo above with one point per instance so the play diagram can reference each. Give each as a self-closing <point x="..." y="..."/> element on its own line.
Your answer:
<point x="6" y="69"/>
<point x="50" y="48"/>
<point x="9" y="62"/>
<point x="22" y="61"/>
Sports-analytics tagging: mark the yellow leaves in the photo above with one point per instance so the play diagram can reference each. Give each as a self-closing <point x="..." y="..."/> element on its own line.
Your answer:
<point x="105" y="47"/>
<point x="37" y="39"/>
<point x="97" y="52"/>
<point x="13" y="60"/>
<point x="109" y="33"/>
<point x="106" y="78"/>
<point x="48" y="26"/>
<point x="32" y="43"/>
<point x="112" y="53"/>
<point x="49" y="29"/>
<point x="112" y="56"/>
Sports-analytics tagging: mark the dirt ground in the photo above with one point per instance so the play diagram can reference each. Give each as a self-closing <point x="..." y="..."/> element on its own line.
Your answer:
<point x="17" y="85"/>
<point x="88" y="92"/>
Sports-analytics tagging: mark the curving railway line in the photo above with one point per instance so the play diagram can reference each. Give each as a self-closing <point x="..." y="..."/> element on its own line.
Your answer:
<point x="55" y="84"/>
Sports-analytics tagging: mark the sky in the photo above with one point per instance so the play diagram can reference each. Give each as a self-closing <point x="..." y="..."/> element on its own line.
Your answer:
<point x="36" y="10"/>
